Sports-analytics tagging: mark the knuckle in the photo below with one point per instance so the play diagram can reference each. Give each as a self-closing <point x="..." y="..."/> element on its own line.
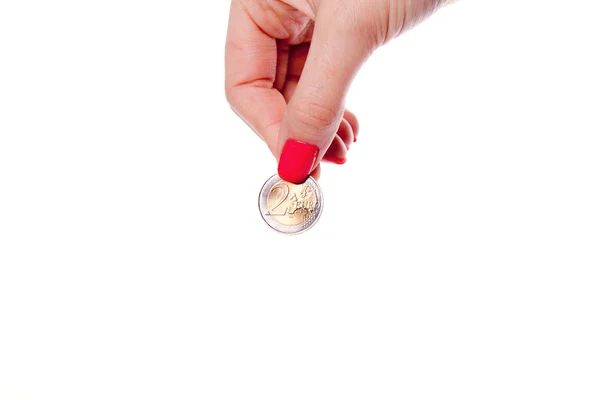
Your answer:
<point x="360" y="22"/>
<point x="229" y="93"/>
<point x="315" y="117"/>
<point x="232" y="100"/>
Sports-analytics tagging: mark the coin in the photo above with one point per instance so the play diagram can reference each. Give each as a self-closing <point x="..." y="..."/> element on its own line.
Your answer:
<point x="288" y="208"/>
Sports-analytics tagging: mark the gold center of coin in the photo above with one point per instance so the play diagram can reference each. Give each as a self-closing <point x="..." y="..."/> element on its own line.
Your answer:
<point x="291" y="204"/>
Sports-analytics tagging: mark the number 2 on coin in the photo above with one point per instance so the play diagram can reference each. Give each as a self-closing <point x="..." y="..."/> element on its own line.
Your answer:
<point x="285" y="192"/>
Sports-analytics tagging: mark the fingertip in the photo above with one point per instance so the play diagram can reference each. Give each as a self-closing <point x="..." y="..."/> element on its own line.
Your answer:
<point x="345" y="132"/>
<point x="353" y="121"/>
<point x="337" y="152"/>
<point x="297" y="161"/>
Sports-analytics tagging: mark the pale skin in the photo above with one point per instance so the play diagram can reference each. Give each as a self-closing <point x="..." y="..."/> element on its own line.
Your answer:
<point x="289" y="65"/>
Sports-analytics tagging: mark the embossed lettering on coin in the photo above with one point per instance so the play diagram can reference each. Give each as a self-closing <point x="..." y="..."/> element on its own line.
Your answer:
<point x="291" y="204"/>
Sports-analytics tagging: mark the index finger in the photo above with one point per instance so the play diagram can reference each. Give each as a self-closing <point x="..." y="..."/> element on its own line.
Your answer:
<point x="250" y="71"/>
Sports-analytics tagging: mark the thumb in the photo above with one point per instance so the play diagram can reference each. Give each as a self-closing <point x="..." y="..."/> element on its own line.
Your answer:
<point x="315" y="110"/>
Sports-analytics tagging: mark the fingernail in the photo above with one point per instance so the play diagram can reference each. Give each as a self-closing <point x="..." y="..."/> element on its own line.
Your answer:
<point x="296" y="161"/>
<point x="336" y="160"/>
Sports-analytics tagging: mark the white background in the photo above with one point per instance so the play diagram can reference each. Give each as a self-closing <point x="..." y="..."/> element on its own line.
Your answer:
<point x="457" y="256"/>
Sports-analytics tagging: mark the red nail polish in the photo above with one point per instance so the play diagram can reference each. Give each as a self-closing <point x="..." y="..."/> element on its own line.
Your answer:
<point x="296" y="161"/>
<point x="335" y="160"/>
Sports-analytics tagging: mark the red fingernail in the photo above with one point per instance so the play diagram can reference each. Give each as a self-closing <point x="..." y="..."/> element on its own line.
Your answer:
<point x="297" y="161"/>
<point x="335" y="160"/>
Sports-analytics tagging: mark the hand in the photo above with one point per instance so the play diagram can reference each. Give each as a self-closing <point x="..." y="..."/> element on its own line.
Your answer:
<point x="289" y="64"/>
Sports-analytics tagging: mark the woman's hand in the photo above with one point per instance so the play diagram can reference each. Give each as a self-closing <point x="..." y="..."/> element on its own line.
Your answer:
<point x="289" y="64"/>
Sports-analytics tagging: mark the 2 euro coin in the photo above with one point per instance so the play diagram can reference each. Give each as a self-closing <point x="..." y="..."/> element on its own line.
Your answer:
<point x="288" y="208"/>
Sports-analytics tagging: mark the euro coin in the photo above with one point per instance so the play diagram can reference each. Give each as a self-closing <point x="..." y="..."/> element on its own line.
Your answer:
<point x="288" y="208"/>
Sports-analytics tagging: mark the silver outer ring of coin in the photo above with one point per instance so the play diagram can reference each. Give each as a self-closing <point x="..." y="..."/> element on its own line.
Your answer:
<point x="286" y="229"/>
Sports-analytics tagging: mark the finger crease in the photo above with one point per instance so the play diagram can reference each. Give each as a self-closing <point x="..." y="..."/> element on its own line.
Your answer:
<point x="263" y="83"/>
